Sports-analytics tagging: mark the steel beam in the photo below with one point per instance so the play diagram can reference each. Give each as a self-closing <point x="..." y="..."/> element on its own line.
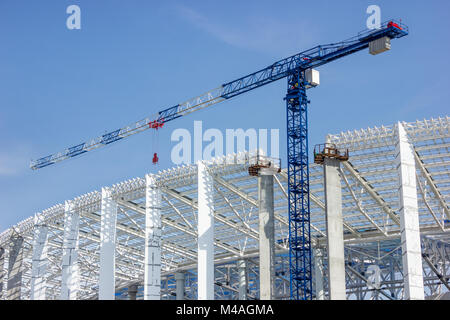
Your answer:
<point x="436" y="271"/>
<point x="190" y="202"/>
<point x="321" y="205"/>
<point x="371" y="191"/>
<point x="165" y="244"/>
<point x="360" y="276"/>
<point x="431" y="183"/>
<point x="358" y="204"/>
<point x="219" y="217"/>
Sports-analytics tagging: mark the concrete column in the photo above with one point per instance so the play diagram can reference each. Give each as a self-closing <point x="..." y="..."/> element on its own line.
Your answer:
<point x="15" y="268"/>
<point x="70" y="272"/>
<point x="409" y="218"/>
<point x="266" y="237"/>
<point x="132" y="292"/>
<point x="180" y="281"/>
<point x="152" y="272"/>
<point x="2" y="266"/>
<point x="335" y="232"/>
<point x="205" y="265"/>
<point x="318" y="270"/>
<point x="108" y="219"/>
<point x="39" y="263"/>
<point x="242" y="270"/>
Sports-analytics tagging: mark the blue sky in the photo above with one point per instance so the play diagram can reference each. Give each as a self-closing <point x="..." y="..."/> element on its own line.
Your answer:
<point x="60" y="87"/>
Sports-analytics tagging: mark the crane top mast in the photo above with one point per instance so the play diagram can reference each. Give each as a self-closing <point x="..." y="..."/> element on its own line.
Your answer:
<point x="305" y="60"/>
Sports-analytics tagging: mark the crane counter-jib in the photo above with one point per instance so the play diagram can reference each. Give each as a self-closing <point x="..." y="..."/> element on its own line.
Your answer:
<point x="305" y="60"/>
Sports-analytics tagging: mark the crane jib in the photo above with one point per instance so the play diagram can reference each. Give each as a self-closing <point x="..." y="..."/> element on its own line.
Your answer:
<point x="111" y="137"/>
<point x="305" y="60"/>
<point x="77" y="150"/>
<point x="308" y="59"/>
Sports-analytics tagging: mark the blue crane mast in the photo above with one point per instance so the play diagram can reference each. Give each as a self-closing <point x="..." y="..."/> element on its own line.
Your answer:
<point x="294" y="68"/>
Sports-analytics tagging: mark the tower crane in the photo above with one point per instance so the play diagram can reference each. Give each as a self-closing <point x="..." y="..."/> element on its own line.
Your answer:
<point x="300" y="74"/>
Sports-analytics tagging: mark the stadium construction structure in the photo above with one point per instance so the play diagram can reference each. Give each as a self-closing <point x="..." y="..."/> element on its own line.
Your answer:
<point x="380" y="228"/>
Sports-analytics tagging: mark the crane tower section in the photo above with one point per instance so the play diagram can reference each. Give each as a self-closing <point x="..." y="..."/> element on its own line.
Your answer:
<point x="298" y="185"/>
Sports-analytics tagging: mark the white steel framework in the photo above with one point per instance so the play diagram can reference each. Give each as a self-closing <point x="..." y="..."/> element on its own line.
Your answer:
<point x="372" y="228"/>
